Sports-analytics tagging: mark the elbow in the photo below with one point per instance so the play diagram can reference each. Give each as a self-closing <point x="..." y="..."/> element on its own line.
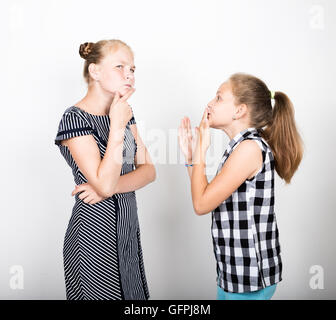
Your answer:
<point x="153" y="174"/>
<point x="199" y="210"/>
<point x="149" y="172"/>
<point x="107" y="191"/>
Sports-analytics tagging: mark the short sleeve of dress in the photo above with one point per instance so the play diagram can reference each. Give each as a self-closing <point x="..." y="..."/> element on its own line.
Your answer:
<point x="72" y="125"/>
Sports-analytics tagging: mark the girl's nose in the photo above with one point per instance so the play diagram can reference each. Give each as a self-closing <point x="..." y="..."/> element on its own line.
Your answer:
<point x="211" y="103"/>
<point x="129" y="74"/>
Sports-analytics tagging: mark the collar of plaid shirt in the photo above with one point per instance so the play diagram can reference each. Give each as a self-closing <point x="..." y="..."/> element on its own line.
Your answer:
<point x="239" y="136"/>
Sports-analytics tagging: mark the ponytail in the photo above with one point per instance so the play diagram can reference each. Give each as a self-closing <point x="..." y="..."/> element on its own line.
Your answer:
<point x="277" y="126"/>
<point x="283" y="137"/>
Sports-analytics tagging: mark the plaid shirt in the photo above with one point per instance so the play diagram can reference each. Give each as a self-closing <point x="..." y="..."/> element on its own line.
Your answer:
<point x="244" y="229"/>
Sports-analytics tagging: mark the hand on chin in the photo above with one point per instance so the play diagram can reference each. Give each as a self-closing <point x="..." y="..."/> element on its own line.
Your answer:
<point x="123" y="90"/>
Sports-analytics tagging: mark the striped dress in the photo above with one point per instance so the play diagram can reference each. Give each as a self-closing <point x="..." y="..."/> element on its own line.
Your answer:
<point x="102" y="250"/>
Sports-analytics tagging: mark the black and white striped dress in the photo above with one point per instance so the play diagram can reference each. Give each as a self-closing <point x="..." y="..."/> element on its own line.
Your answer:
<point x="102" y="249"/>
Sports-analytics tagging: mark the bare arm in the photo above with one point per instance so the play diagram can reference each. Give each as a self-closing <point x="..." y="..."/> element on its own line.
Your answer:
<point x="144" y="172"/>
<point x="189" y="171"/>
<point x="243" y="163"/>
<point x="186" y="142"/>
<point x="103" y="175"/>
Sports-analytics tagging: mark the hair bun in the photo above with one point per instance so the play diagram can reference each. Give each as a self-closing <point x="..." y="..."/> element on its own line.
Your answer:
<point x="85" y="49"/>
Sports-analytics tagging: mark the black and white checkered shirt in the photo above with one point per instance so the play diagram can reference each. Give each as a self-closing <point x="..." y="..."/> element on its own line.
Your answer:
<point x="244" y="229"/>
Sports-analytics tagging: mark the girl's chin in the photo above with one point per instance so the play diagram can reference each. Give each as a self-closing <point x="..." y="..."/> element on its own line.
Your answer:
<point x="122" y="91"/>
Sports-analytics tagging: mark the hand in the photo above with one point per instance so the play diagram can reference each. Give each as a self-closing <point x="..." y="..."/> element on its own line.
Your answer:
<point x="88" y="194"/>
<point x="187" y="141"/>
<point x="120" y="111"/>
<point x="202" y="137"/>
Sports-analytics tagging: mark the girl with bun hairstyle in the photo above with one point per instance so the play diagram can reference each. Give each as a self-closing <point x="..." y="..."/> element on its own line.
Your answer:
<point x="241" y="195"/>
<point x="99" y="140"/>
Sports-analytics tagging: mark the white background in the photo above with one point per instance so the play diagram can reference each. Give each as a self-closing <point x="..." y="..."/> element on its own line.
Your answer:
<point x="183" y="51"/>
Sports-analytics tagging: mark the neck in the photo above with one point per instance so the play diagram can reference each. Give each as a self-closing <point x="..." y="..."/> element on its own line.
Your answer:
<point x="97" y="101"/>
<point x="235" y="128"/>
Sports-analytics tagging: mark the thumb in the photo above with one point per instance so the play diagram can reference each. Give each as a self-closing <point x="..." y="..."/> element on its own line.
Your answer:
<point x="116" y="97"/>
<point x="197" y="131"/>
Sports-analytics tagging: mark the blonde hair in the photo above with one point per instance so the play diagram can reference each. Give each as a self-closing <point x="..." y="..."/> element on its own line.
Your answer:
<point x="94" y="52"/>
<point x="277" y="125"/>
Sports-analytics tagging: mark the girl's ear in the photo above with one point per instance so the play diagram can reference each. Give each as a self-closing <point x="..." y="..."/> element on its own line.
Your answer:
<point x="94" y="71"/>
<point x="241" y="111"/>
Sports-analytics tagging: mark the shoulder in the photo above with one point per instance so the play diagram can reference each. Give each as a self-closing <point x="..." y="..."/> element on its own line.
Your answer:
<point x="244" y="160"/>
<point x="72" y="124"/>
<point x="74" y="117"/>
<point x="74" y="111"/>
<point x="248" y="148"/>
<point x="247" y="154"/>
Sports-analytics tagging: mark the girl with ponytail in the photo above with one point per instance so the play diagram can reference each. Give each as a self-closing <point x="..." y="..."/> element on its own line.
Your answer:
<point x="263" y="139"/>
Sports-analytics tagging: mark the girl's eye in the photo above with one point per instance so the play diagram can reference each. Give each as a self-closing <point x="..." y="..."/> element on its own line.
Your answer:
<point x="119" y="66"/>
<point x="217" y="98"/>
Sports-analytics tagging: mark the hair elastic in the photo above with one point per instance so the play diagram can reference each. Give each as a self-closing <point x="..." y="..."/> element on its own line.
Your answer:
<point x="188" y="165"/>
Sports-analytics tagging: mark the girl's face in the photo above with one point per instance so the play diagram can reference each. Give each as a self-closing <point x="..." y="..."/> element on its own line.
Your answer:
<point x="116" y="71"/>
<point x="222" y="107"/>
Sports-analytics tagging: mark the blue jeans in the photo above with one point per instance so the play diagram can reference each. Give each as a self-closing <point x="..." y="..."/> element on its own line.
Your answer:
<point x="263" y="294"/>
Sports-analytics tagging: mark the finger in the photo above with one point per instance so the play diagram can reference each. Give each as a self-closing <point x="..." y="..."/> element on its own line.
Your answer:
<point x="205" y="114"/>
<point x="75" y="191"/>
<point x="93" y="201"/>
<point x="115" y="98"/>
<point x="88" y="199"/>
<point x="83" y="195"/>
<point x="127" y="94"/>
<point x="197" y="132"/>
<point x="206" y="121"/>
<point x="80" y="188"/>
<point x="182" y="123"/>
<point x="180" y="132"/>
<point x="189" y="128"/>
<point x="182" y="136"/>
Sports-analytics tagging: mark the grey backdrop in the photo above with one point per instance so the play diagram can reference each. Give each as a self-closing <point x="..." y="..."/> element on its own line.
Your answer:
<point x="183" y="51"/>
